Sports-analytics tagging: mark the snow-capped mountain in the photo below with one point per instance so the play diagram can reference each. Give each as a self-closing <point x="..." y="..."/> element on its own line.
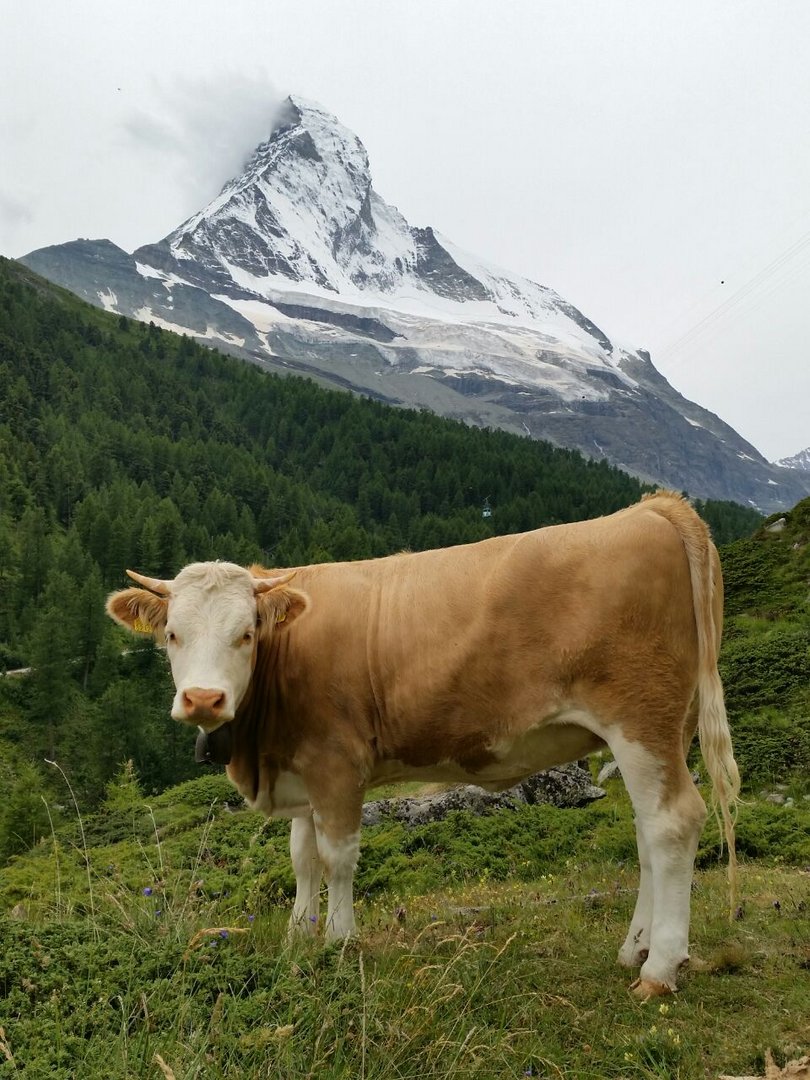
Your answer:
<point x="299" y="264"/>
<point x="797" y="461"/>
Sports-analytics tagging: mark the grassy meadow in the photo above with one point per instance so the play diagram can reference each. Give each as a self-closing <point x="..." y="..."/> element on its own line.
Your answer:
<point x="151" y="942"/>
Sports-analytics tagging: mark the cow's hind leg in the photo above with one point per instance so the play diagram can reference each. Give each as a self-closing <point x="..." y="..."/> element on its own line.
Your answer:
<point x="669" y="817"/>
<point x="636" y="947"/>
<point x="308" y="872"/>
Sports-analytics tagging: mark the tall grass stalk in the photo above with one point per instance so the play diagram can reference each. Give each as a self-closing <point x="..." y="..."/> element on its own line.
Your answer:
<point x="157" y="840"/>
<point x="56" y="856"/>
<point x="362" y="1017"/>
<point x="56" y="765"/>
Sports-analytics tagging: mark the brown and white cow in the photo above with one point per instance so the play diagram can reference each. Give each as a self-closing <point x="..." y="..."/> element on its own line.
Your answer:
<point x="481" y="664"/>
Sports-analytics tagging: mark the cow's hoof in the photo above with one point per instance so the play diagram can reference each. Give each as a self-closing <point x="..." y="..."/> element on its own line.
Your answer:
<point x="632" y="958"/>
<point x="644" y="989"/>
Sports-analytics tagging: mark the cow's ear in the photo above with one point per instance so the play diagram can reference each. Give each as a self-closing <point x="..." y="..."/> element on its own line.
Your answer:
<point x="139" y="611"/>
<point x="278" y="608"/>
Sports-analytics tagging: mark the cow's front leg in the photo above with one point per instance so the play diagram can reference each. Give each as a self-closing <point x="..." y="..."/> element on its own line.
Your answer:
<point x="338" y="840"/>
<point x="308" y="871"/>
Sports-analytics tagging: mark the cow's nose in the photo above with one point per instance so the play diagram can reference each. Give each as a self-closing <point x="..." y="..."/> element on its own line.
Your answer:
<point x="202" y="704"/>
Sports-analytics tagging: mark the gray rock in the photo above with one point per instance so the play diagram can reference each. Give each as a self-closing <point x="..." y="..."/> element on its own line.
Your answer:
<point x="776" y="526"/>
<point x="775" y="797"/>
<point x="566" y="786"/>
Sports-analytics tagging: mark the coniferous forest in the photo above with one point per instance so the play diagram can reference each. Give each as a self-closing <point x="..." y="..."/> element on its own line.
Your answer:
<point x="122" y="445"/>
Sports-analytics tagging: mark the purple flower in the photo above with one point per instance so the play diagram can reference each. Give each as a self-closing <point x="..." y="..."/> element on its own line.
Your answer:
<point x="212" y="943"/>
<point x="251" y="918"/>
<point x="223" y="933"/>
<point x="313" y="918"/>
<point x="147" y="891"/>
<point x="158" y="913"/>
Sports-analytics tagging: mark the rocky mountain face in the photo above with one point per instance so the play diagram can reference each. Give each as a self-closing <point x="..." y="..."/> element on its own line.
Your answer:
<point x="797" y="461"/>
<point x="300" y="266"/>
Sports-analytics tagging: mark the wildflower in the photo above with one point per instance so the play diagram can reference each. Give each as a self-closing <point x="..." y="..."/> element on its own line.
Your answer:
<point x="158" y="913"/>
<point x="251" y="918"/>
<point x="663" y="1009"/>
<point x="313" y="918"/>
<point x="653" y="1030"/>
<point x="223" y="933"/>
<point x="628" y="1056"/>
<point x="147" y="891"/>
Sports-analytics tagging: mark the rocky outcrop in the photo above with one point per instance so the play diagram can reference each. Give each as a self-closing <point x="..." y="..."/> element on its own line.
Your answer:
<point x="567" y="786"/>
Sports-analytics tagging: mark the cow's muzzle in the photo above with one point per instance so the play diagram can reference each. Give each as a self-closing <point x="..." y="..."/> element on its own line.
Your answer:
<point x="203" y="706"/>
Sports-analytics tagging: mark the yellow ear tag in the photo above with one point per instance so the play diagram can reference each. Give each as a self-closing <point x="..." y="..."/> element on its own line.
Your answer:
<point x="281" y="617"/>
<point x="141" y="627"/>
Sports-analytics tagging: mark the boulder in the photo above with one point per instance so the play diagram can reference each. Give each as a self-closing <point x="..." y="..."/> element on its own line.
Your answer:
<point x="566" y="786"/>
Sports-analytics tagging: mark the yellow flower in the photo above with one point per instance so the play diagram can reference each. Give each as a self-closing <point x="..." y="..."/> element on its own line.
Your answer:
<point x="663" y="1009"/>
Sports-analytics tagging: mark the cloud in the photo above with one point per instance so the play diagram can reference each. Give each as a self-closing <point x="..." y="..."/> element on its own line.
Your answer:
<point x="204" y="131"/>
<point x="13" y="211"/>
<point x="15" y="215"/>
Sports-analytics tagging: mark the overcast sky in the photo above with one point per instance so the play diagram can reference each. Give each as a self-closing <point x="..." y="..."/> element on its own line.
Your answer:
<point x="648" y="159"/>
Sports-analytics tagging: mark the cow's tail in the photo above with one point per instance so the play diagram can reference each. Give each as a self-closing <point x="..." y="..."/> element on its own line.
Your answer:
<point x="713" y="729"/>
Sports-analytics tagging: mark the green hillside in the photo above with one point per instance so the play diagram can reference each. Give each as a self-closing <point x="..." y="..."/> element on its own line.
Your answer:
<point x="765" y="662"/>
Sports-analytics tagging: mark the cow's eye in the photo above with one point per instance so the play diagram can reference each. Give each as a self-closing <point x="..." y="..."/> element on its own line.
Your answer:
<point x="171" y="637"/>
<point x="247" y="637"/>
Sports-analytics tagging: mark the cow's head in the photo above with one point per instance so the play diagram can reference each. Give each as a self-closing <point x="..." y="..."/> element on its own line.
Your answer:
<point x="211" y="617"/>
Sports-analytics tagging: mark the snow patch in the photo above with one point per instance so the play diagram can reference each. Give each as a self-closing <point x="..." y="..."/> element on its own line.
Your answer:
<point x="109" y="301"/>
<point x="146" y="314"/>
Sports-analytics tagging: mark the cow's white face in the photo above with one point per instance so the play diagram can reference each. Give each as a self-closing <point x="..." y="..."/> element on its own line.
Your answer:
<point x="210" y="617"/>
<point x="210" y="636"/>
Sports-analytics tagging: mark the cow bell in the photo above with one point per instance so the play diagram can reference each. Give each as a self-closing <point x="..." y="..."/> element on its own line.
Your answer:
<point x="213" y="748"/>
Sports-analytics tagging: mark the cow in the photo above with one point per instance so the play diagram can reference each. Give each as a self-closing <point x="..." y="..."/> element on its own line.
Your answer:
<point x="481" y="663"/>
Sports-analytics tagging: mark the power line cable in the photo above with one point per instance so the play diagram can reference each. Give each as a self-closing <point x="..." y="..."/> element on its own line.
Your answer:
<point x="742" y="294"/>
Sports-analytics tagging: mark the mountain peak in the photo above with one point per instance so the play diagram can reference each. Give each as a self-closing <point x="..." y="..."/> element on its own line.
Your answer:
<point x="301" y="210"/>
<point x="796" y="461"/>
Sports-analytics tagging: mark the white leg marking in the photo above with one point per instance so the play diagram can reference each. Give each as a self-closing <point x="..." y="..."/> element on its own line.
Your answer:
<point x="637" y="943"/>
<point x="308" y="870"/>
<point x="670" y="816"/>
<point x="339" y="858"/>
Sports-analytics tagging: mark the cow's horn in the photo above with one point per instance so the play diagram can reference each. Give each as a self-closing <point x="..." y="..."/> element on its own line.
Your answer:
<point x="261" y="585"/>
<point x="155" y="585"/>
